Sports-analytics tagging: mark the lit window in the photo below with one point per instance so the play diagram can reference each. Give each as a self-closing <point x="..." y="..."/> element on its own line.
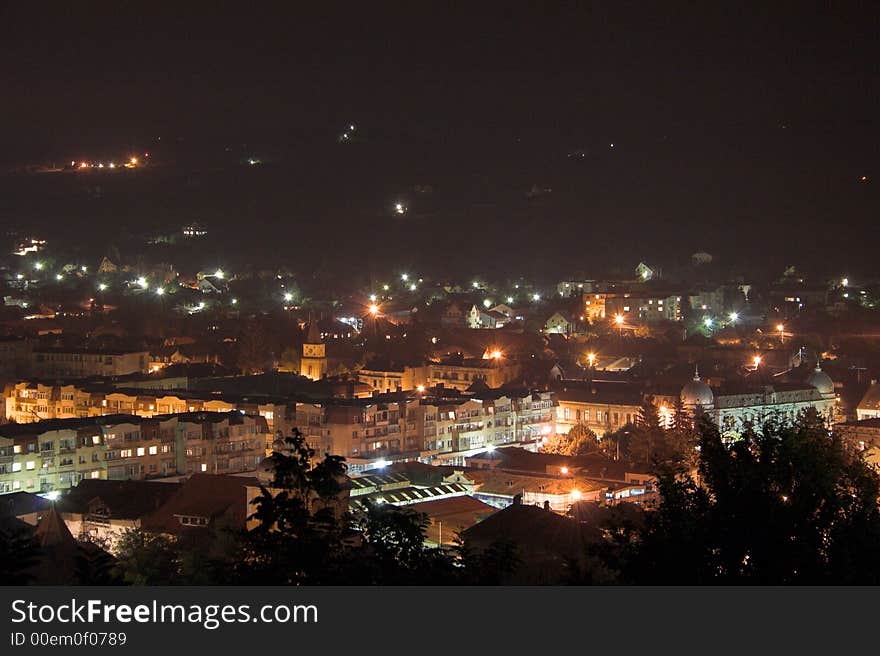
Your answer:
<point x="204" y="467"/>
<point x="96" y="474"/>
<point x="154" y="450"/>
<point x="141" y="451"/>
<point x="16" y="466"/>
<point x="30" y="465"/>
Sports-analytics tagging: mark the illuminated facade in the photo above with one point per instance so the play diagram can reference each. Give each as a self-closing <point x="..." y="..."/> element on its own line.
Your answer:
<point x="313" y="363"/>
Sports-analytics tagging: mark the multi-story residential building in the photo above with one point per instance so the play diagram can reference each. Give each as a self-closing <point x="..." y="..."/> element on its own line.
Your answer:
<point x="603" y="407"/>
<point x="457" y="373"/>
<point x="461" y="373"/>
<point x="84" y="363"/>
<point x="28" y="402"/>
<point x="643" y="306"/>
<point x="438" y="425"/>
<point x="55" y="455"/>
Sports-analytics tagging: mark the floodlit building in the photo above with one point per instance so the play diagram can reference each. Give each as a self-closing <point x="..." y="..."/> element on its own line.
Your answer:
<point x="733" y="405"/>
<point x="313" y="363"/>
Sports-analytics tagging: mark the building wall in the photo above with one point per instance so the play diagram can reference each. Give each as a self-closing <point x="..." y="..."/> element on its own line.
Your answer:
<point x="83" y="364"/>
<point x="48" y="460"/>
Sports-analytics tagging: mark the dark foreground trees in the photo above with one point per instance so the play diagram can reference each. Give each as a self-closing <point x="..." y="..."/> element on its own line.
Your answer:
<point x="786" y="504"/>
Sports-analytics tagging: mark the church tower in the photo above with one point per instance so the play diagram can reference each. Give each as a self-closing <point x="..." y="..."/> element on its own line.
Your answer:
<point x="313" y="363"/>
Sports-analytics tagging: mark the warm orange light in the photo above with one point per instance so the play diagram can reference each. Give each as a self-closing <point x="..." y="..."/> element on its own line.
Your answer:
<point x="756" y="361"/>
<point x="575" y="494"/>
<point x="780" y="327"/>
<point x="496" y="354"/>
<point x="618" y="319"/>
<point x="133" y="161"/>
<point x="591" y="358"/>
<point x="563" y="470"/>
<point x="420" y="388"/>
<point x="374" y="309"/>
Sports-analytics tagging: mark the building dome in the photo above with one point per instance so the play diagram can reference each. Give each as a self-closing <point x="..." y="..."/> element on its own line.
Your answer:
<point x="697" y="393"/>
<point x="821" y="381"/>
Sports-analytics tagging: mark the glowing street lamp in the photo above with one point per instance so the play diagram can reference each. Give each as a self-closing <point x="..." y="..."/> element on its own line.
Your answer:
<point x="781" y="328"/>
<point x="404" y="277"/>
<point x="536" y="297"/>
<point x="487" y="303"/>
<point x="38" y="266"/>
<point x="734" y="317"/>
<point x="288" y="297"/>
<point x="510" y="299"/>
<point x="374" y="309"/>
<point x="59" y="276"/>
<point x="707" y="322"/>
<point x="102" y="287"/>
<point x="496" y="354"/>
<point x="563" y="470"/>
<point x="235" y="301"/>
<point x="420" y="389"/>
<point x="575" y="494"/>
<point x="756" y="361"/>
<point x="219" y="274"/>
<point x="412" y="287"/>
<point x="160" y="291"/>
<point x="373" y="298"/>
<point x="142" y="282"/>
<point x="591" y="358"/>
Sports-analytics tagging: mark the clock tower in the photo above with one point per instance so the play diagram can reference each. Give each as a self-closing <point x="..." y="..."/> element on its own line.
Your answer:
<point x="313" y="363"/>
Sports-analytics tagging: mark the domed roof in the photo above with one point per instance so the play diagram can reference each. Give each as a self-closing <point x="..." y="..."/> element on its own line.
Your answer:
<point x="697" y="393"/>
<point x="821" y="381"/>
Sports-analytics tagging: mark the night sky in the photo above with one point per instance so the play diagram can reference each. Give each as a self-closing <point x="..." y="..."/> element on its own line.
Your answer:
<point x="743" y="130"/>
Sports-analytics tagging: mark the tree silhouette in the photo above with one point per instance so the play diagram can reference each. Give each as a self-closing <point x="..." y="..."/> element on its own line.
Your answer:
<point x="785" y="504"/>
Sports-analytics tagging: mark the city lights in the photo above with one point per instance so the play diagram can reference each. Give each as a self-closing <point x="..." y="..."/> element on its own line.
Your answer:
<point x="563" y="470"/>
<point x="756" y="361"/>
<point x="575" y="494"/>
<point x="38" y="266"/>
<point x="510" y="299"/>
<point x="404" y="277"/>
<point x="591" y="358"/>
<point x="142" y="282"/>
<point x="618" y="319"/>
<point x="734" y="317"/>
<point x="288" y="296"/>
<point x="374" y="309"/>
<point x="707" y="322"/>
<point x="536" y="297"/>
<point x="487" y="303"/>
<point x="373" y="298"/>
<point x="219" y="274"/>
<point x="160" y="291"/>
<point x="420" y="389"/>
<point x="496" y="354"/>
